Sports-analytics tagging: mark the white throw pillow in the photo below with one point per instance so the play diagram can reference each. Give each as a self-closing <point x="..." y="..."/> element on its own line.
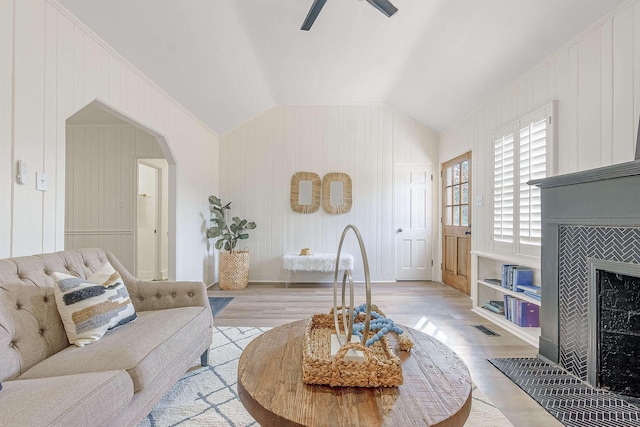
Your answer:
<point x="90" y="307"/>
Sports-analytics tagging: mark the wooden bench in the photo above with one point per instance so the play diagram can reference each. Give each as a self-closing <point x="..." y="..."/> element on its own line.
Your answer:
<point x="320" y="263"/>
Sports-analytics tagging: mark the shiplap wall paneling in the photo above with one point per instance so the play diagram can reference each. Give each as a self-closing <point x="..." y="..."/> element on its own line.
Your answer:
<point x="589" y="95"/>
<point x="606" y="90"/>
<point x="481" y="164"/>
<point x="63" y="108"/>
<point x="386" y="175"/>
<point x="596" y="80"/>
<point x="6" y="127"/>
<point x="259" y="158"/>
<point x="29" y="124"/>
<point x="636" y="67"/>
<point x="371" y="162"/>
<point x="50" y="152"/>
<point x="626" y="82"/>
<point x="268" y="205"/>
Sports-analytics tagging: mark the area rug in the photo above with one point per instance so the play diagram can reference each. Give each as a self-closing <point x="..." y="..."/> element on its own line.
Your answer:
<point x="218" y="303"/>
<point x="208" y="396"/>
<point x="570" y="400"/>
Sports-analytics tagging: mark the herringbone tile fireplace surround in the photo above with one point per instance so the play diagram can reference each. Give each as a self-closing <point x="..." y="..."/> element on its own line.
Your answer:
<point x="577" y="245"/>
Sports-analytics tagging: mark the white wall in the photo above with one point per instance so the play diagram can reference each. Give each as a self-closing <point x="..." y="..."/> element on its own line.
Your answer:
<point x="51" y="67"/>
<point x="258" y="159"/>
<point x="596" y="80"/>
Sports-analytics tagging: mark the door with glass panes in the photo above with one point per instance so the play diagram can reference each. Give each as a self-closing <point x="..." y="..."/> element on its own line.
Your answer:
<point x="456" y="223"/>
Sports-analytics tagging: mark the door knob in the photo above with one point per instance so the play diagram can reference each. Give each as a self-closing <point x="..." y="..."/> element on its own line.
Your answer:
<point x="399" y="230"/>
<point x="467" y="233"/>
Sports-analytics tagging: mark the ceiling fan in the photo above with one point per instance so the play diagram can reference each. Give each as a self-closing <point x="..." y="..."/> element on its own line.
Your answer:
<point x="383" y="6"/>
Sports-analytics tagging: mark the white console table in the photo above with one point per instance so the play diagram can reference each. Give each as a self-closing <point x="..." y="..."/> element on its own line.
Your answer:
<point x="321" y="263"/>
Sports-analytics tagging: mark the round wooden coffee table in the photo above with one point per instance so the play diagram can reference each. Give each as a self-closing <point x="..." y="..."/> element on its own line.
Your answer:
<point x="436" y="389"/>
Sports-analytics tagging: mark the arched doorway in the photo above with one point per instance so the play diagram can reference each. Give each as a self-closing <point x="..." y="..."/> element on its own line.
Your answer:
<point x="102" y="151"/>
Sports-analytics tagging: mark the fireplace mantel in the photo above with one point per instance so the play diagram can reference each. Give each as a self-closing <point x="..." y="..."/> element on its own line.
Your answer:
<point x="607" y="172"/>
<point x="604" y="197"/>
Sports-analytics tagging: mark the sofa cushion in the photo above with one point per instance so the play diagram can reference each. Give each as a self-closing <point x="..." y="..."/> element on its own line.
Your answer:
<point x="143" y="348"/>
<point x="90" y="307"/>
<point x="72" y="400"/>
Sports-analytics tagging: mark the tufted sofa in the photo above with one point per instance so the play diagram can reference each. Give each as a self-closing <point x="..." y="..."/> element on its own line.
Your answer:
<point x="114" y="381"/>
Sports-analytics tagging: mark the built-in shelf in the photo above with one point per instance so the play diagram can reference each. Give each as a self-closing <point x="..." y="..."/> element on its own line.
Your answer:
<point x="529" y="335"/>
<point x="487" y="265"/>
<point x="509" y="292"/>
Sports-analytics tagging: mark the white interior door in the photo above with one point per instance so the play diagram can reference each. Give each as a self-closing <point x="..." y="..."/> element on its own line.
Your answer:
<point x="147" y="236"/>
<point x="413" y="214"/>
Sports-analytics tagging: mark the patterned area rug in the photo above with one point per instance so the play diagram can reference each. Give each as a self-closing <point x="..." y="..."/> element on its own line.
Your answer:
<point x="570" y="400"/>
<point x="208" y="396"/>
<point x="218" y="303"/>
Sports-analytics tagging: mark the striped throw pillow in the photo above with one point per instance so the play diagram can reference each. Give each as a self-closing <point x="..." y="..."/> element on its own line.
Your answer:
<point x="90" y="307"/>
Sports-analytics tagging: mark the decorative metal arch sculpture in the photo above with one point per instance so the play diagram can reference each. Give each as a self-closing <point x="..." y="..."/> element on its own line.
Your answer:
<point x="348" y="325"/>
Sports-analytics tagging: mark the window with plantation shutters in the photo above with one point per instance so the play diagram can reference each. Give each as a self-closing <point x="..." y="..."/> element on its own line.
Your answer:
<point x="503" y="188"/>
<point x="523" y="151"/>
<point x="532" y="165"/>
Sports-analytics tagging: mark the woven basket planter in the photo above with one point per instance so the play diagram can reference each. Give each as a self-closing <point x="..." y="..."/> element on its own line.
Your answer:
<point x="234" y="270"/>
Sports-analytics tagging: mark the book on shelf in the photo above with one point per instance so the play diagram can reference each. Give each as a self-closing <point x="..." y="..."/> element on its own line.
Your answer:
<point x="530" y="288"/>
<point x="532" y="291"/>
<point x="494" y="281"/>
<point x="507" y="300"/>
<point x="506" y="275"/>
<point x="521" y="276"/>
<point x="522" y="313"/>
<point x="529" y="315"/>
<point x="512" y="275"/>
<point x="497" y="304"/>
<point x="494" y="306"/>
<point x="535" y="296"/>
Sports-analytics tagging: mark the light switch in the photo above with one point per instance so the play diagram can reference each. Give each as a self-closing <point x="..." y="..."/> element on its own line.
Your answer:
<point x="479" y="200"/>
<point x="41" y="181"/>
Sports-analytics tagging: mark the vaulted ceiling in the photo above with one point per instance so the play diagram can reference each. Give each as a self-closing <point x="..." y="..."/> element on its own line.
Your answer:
<point x="434" y="60"/>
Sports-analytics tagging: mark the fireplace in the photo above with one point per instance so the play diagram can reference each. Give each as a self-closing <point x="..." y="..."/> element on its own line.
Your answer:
<point x="590" y="260"/>
<point x="614" y="326"/>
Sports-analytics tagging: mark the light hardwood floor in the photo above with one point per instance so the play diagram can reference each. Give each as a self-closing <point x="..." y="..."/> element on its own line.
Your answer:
<point x="428" y="306"/>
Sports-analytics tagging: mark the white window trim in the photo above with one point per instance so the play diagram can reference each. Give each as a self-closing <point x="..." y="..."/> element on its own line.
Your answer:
<point x="550" y="113"/>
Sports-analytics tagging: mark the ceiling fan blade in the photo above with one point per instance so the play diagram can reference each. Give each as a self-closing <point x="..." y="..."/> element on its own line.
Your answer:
<point x="384" y="6"/>
<point x="316" y="7"/>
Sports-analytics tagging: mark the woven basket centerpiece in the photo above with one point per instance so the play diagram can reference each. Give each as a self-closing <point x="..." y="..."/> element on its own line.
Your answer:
<point x="355" y="364"/>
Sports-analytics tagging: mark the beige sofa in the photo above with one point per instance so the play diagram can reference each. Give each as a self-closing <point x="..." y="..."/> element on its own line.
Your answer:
<point x="114" y="381"/>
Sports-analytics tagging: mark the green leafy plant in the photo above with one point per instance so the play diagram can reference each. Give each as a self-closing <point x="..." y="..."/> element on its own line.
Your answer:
<point x="229" y="234"/>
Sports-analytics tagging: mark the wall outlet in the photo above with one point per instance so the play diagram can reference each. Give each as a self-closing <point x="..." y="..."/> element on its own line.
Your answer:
<point x="41" y="181"/>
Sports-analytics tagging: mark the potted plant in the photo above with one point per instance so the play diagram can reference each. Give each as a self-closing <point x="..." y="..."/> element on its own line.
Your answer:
<point x="234" y="265"/>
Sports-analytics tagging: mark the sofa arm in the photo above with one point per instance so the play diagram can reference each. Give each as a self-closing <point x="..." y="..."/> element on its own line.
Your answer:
<point x="147" y="296"/>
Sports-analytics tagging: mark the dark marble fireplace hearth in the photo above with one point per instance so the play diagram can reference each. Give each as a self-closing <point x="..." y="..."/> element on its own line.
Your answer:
<point x="586" y="216"/>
